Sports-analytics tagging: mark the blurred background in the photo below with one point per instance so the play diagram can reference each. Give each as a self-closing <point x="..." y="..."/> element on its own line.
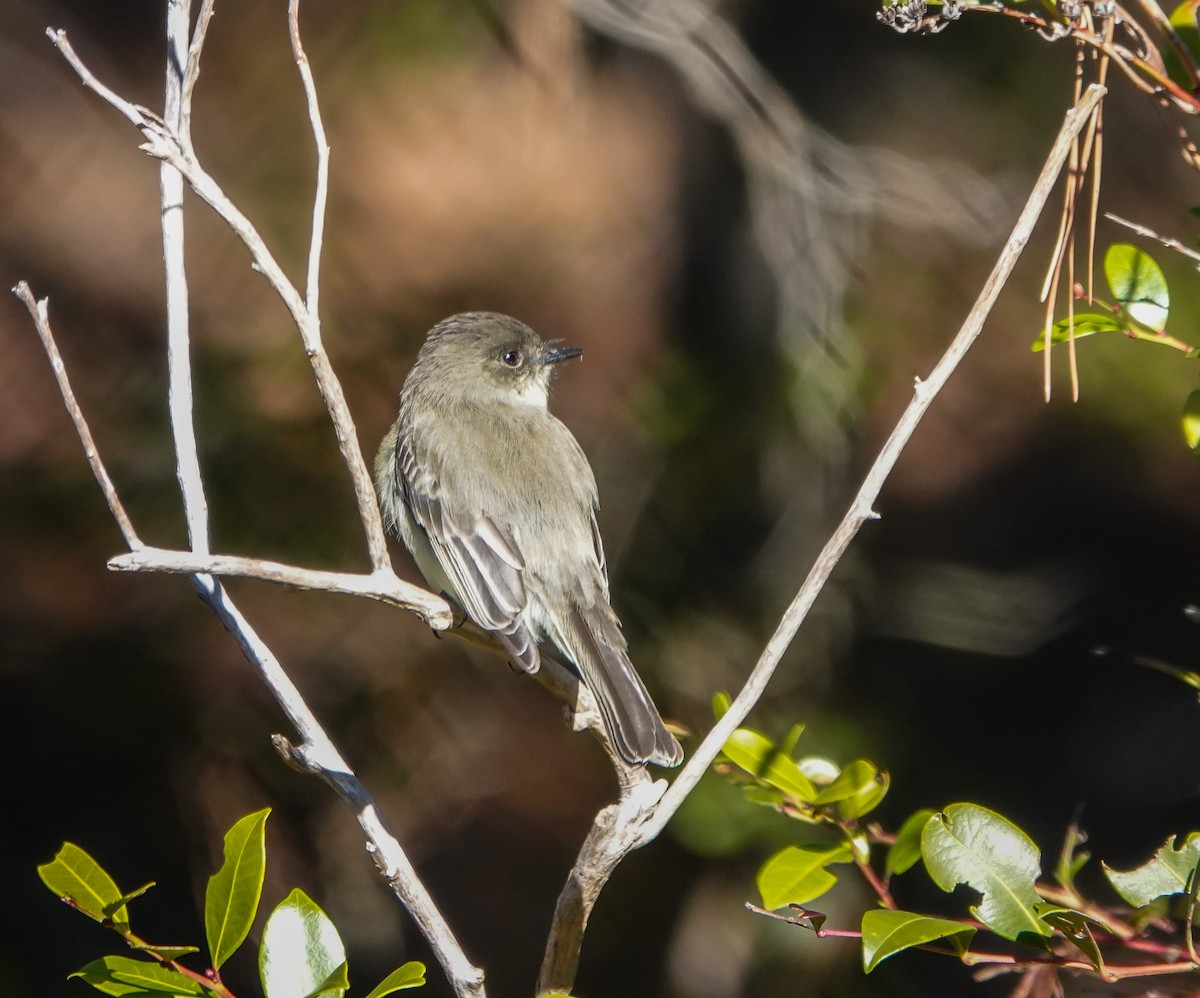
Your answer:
<point x="756" y="274"/>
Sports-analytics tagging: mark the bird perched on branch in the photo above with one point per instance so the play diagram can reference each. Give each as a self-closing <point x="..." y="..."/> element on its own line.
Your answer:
<point x="497" y="503"/>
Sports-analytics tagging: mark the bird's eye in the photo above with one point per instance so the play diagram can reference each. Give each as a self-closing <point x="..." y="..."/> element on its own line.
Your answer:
<point x="511" y="358"/>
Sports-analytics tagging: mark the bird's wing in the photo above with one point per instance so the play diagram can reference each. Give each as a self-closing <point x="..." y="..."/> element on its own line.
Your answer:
<point x="478" y="555"/>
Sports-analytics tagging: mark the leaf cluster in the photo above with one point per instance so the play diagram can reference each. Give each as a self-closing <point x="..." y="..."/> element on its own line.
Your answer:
<point x="1140" y="310"/>
<point x="301" y="954"/>
<point x="1039" y="926"/>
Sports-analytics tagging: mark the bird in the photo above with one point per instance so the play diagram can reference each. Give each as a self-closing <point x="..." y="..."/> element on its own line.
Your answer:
<point x="496" y="501"/>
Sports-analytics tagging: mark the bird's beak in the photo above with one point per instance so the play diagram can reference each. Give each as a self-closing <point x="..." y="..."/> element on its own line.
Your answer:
<point x="555" y="355"/>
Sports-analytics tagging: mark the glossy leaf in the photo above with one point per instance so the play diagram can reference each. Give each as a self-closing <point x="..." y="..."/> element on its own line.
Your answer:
<point x="99" y="977"/>
<point x="798" y="874"/>
<point x="1138" y="284"/>
<point x="819" y="770"/>
<point x="856" y="777"/>
<point x="1169" y="872"/>
<point x="1191" y="421"/>
<point x="788" y="744"/>
<point x="74" y="874"/>
<point x="300" y="948"/>
<point x="969" y="844"/>
<point x="113" y="907"/>
<point x="411" y="975"/>
<point x="231" y="900"/>
<point x="886" y="932"/>
<point x="757" y="755"/>
<point x="1085" y="324"/>
<point x="720" y="704"/>
<point x="906" y="850"/>
<point x="857" y="790"/>
<point x="335" y="985"/>
<point x="122" y="975"/>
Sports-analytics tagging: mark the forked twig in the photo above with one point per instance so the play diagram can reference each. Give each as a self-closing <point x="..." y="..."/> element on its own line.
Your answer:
<point x="643" y="809"/>
<point x="169" y="140"/>
<point x="861" y="508"/>
<point x="164" y="143"/>
<point x="38" y="312"/>
<point x="560" y="964"/>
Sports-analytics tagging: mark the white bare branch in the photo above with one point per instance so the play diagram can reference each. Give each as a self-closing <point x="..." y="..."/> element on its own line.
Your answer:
<point x="608" y="844"/>
<point x="165" y="143"/>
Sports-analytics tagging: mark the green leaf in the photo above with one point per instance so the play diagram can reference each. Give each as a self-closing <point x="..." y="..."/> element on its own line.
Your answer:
<point x="797" y="874"/>
<point x="411" y="975"/>
<point x="788" y="745"/>
<point x="1138" y="284"/>
<point x="853" y="779"/>
<point x="1169" y="872"/>
<point x="1085" y="324"/>
<point x="857" y="789"/>
<point x="300" y="948"/>
<point x="720" y="704"/>
<point x="757" y="755"/>
<point x="1077" y="927"/>
<point x="906" y="850"/>
<point x="74" y="875"/>
<point x="886" y="932"/>
<point x="98" y="976"/>
<point x="335" y="985"/>
<point x="1191" y="421"/>
<point x="969" y="844"/>
<point x="113" y="906"/>
<point x="122" y="975"/>
<point x="231" y="900"/>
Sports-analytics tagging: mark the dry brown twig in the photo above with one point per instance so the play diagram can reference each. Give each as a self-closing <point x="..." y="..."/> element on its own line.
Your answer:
<point x="644" y="806"/>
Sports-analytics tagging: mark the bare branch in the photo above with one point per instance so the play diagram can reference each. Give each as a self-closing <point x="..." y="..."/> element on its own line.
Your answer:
<point x="191" y="72"/>
<point x="385" y="587"/>
<point x="861" y="509"/>
<point x="179" y="362"/>
<point x="163" y="142"/>
<point x="1167" y="241"/>
<point x="613" y="835"/>
<point x="38" y="311"/>
<point x="136" y="114"/>
<point x="169" y="141"/>
<point x="321" y="194"/>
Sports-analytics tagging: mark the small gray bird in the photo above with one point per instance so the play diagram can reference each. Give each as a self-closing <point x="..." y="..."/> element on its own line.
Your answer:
<point x="497" y="503"/>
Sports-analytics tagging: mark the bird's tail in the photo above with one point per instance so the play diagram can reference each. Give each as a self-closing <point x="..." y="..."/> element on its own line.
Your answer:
<point x="591" y="637"/>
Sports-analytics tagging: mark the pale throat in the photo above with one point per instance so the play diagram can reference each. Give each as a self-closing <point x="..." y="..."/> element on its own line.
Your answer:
<point x="534" y="391"/>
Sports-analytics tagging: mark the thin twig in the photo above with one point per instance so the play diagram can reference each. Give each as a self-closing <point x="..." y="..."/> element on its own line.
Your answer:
<point x="385" y="587"/>
<point x="1167" y="29"/>
<point x="137" y="115"/>
<point x="1167" y="241"/>
<point x="191" y="72"/>
<point x="179" y="355"/>
<point x="321" y="194"/>
<point x="1128" y="61"/>
<point x="861" y="509"/>
<point x="162" y="142"/>
<point x="38" y="311"/>
<point x="168" y="141"/>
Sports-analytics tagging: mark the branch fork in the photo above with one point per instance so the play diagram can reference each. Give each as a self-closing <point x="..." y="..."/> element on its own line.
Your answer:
<point x="644" y="805"/>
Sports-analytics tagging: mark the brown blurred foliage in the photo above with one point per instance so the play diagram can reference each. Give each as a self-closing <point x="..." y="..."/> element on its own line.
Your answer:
<point x="553" y="173"/>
